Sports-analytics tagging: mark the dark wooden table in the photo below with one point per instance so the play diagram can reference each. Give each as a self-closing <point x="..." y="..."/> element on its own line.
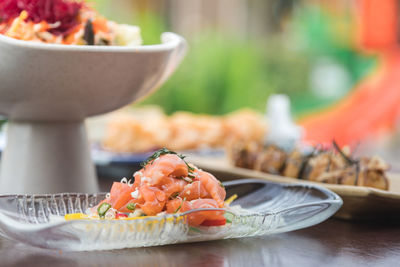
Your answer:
<point x="332" y="243"/>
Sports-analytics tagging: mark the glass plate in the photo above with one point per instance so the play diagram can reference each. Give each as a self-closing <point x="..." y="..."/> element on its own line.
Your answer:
<point x="38" y="220"/>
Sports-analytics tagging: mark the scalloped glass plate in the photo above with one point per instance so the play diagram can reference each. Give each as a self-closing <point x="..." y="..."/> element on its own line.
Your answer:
<point x="271" y="208"/>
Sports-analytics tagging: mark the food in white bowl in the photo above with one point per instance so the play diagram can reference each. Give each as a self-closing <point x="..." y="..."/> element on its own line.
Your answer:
<point x="63" y="22"/>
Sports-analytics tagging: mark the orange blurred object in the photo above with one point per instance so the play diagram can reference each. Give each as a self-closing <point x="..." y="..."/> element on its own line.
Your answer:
<point x="373" y="106"/>
<point x="378" y="23"/>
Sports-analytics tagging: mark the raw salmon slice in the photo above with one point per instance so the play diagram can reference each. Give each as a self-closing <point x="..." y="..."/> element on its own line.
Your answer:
<point x="164" y="166"/>
<point x="177" y="205"/>
<point x="194" y="190"/>
<point x="171" y="186"/>
<point x="120" y="194"/>
<point x="212" y="186"/>
<point x="198" y="217"/>
<point x="154" y="200"/>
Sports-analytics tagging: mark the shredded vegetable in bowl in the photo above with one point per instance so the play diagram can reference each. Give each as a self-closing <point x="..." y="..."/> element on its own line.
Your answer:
<point x="63" y="22"/>
<point x="166" y="184"/>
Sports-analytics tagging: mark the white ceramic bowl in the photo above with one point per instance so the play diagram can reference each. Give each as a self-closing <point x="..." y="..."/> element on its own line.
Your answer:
<point x="47" y="90"/>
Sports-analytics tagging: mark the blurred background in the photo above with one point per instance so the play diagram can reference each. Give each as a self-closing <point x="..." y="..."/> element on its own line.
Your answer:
<point x="242" y="51"/>
<point x="337" y="61"/>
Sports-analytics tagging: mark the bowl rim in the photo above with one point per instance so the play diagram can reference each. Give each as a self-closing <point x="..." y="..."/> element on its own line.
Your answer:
<point x="169" y="41"/>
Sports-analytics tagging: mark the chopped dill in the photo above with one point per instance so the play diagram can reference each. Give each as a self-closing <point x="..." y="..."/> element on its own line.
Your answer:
<point x="131" y="206"/>
<point x="164" y="151"/>
<point x="180" y="206"/>
<point x="194" y="229"/>
<point x="228" y="217"/>
<point x="186" y="179"/>
<point x="174" y="195"/>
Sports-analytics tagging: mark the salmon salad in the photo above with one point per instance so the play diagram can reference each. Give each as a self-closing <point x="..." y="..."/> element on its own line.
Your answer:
<point x="166" y="184"/>
<point x="68" y="22"/>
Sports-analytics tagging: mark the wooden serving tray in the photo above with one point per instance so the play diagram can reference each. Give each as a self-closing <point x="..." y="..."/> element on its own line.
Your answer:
<point x="359" y="203"/>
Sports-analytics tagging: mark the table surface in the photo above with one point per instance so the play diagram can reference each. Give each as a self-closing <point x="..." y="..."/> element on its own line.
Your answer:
<point x="331" y="243"/>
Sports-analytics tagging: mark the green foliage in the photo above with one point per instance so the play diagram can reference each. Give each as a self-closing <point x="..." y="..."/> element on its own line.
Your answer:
<point x="221" y="74"/>
<point x="328" y="34"/>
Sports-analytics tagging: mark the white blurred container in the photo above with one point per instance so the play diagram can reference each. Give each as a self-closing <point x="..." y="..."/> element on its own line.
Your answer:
<point x="282" y="131"/>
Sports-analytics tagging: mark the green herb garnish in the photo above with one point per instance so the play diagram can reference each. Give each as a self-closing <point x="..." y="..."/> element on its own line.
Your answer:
<point x="191" y="169"/>
<point x="164" y="151"/>
<point x="174" y="195"/>
<point x="180" y="206"/>
<point x="221" y="185"/>
<point x="194" y="229"/>
<point x="131" y="206"/>
<point x="102" y="209"/>
<point x="186" y="179"/>
<point x="228" y="217"/>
